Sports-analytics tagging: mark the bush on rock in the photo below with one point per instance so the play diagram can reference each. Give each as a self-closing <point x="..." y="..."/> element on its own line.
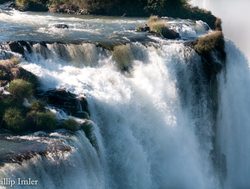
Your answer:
<point x="20" y="88"/>
<point x="45" y="121"/>
<point x="13" y="119"/>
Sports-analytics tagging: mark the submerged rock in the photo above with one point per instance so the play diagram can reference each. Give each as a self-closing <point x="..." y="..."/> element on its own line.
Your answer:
<point x="169" y="33"/>
<point x="61" y="26"/>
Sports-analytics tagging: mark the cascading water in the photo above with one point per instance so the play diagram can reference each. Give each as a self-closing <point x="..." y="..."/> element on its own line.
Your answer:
<point x="233" y="122"/>
<point x="233" y="118"/>
<point x="160" y="123"/>
<point x="148" y="136"/>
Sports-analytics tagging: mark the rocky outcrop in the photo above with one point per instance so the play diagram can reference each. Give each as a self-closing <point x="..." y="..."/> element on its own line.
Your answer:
<point x="9" y="70"/>
<point x="19" y="46"/>
<point x="68" y="102"/>
<point x="211" y="48"/>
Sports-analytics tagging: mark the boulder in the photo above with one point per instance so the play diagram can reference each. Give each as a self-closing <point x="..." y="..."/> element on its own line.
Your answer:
<point x="170" y="34"/>
<point x="67" y="101"/>
<point x="166" y="33"/>
<point x="20" y="47"/>
<point x="16" y="47"/>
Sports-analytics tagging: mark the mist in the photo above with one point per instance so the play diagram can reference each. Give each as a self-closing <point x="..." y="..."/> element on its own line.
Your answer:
<point x="235" y="16"/>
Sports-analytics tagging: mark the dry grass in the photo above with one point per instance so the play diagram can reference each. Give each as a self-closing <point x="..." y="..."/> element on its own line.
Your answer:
<point x="210" y="42"/>
<point x="160" y="26"/>
<point x="157" y="24"/>
<point x="123" y="56"/>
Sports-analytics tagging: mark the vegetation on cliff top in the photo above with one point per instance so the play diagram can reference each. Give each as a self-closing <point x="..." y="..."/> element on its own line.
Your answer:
<point x="211" y="48"/>
<point x="171" y="8"/>
<point x="210" y="42"/>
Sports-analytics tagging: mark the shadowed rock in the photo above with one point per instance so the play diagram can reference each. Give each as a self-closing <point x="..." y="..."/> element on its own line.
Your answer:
<point x="61" y="26"/>
<point x="68" y="102"/>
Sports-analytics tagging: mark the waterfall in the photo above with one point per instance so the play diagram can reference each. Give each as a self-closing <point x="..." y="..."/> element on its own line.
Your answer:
<point x="160" y="121"/>
<point x="154" y="123"/>
<point x="233" y="125"/>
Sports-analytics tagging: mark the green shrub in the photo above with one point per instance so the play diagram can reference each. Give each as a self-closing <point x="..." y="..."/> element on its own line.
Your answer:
<point x="22" y="3"/>
<point x="3" y="74"/>
<point x="162" y="7"/>
<point x="210" y="42"/>
<point x="10" y="102"/>
<point x="32" y="5"/>
<point x="20" y="88"/>
<point x="37" y="106"/>
<point x="70" y="124"/>
<point x="41" y="121"/>
<point x="13" y="119"/>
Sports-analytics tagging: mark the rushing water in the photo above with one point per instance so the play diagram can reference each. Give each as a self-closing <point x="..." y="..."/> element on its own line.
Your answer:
<point x="155" y="126"/>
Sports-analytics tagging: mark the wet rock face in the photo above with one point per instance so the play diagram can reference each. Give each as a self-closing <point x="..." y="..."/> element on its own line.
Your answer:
<point x="19" y="47"/>
<point x="68" y="102"/>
